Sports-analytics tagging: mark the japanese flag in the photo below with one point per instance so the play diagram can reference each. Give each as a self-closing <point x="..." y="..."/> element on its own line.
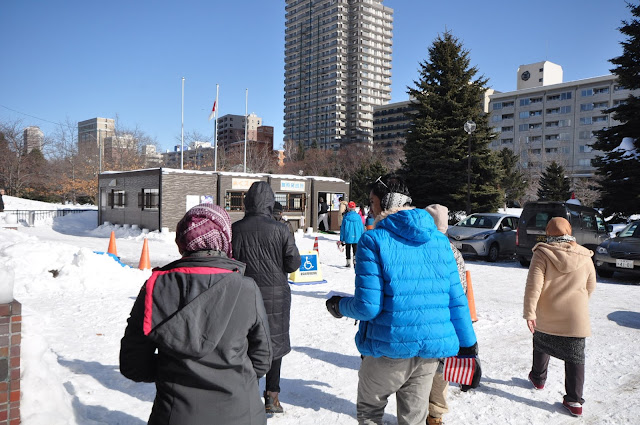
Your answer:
<point x="213" y="111"/>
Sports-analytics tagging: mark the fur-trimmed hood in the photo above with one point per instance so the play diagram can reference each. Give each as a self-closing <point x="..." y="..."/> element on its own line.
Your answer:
<point x="407" y="222"/>
<point x="565" y="256"/>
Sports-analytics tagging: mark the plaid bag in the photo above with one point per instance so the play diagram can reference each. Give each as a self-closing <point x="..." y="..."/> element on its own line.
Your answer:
<point x="459" y="369"/>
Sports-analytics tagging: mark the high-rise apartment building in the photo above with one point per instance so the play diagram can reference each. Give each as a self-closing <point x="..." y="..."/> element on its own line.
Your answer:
<point x="337" y="69"/>
<point x="555" y="122"/>
<point x="92" y="134"/>
<point x="32" y="139"/>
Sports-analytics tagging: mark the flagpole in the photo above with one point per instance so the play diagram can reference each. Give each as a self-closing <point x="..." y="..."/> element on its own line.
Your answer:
<point x="246" y="111"/>
<point x="215" y="132"/>
<point x="182" y="130"/>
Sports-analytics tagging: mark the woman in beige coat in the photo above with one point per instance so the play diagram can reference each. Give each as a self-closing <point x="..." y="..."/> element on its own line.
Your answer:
<point x="556" y="306"/>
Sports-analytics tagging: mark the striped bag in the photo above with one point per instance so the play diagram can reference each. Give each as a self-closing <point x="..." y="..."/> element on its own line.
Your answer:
<point x="459" y="369"/>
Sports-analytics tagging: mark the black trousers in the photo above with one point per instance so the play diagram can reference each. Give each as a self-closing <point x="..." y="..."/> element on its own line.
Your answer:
<point x="573" y="376"/>
<point x="349" y="247"/>
<point x="273" y="376"/>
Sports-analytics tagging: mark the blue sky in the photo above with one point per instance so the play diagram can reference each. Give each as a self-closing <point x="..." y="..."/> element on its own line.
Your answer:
<point x="75" y="60"/>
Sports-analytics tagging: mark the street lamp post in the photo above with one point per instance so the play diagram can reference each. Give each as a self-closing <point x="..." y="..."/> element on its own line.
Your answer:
<point x="469" y="127"/>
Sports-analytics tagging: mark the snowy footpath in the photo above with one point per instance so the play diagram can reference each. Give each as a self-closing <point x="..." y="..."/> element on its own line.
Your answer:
<point x="72" y="325"/>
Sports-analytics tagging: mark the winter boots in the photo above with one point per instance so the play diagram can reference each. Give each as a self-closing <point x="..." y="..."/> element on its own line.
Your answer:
<point x="348" y="262"/>
<point x="271" y="403"/>
<point x="434" y="421"/>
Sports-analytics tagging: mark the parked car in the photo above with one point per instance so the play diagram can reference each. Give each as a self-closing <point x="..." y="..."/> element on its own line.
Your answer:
<point x="587" y="224"/>
<point x="620" y="254"/>
<point x="613" y="229"/>
<point x="488" y="235"/>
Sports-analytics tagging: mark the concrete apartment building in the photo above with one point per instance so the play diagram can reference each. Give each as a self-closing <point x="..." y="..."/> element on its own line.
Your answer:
<point x="32" y="138"/>
<point x="337" y="69"/>
<point x="92" y="134"/>
<point x="150" y="156"/>
<point x="114" y="146"/>
<point x="197" y="156"/>
<point x="549" y="120"/>
<point x="231" y="129"/>
<point x="390" y="125"/>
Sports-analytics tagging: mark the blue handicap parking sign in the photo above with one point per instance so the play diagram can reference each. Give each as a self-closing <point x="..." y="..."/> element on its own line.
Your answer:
<point x="309" y="263"/>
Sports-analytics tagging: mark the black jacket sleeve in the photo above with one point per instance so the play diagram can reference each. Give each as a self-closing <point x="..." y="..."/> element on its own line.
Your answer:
<point x="291" y="255"/>
<point x="138" y="360"/>
<point x="260" y="351"/>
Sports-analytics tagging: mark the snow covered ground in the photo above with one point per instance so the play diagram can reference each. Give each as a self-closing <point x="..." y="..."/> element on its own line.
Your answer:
<point x="72" y="325"/>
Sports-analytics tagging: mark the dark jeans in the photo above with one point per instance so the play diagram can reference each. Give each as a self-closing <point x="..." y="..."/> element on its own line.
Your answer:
<point x="348" y="249"/>
<point x="573" y="376"/>
<point x="273" y="376"/>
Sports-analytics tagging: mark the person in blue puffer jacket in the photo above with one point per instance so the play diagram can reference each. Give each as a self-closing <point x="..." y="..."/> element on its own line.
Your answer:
<point x="410" y="303"/>
<point x="350" y="231"/>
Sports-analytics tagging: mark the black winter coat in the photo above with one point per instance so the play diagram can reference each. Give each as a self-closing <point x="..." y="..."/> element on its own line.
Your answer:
<point x="208" y="323"/>
<point x="269" y="251"/>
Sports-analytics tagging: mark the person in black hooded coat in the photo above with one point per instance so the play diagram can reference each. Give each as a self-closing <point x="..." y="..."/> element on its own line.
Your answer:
<point x="269" y="250"/>
<point x="198" y="329"/>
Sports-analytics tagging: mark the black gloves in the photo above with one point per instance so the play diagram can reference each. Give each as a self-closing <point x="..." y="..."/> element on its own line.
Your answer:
<point x="333" y="305"/>
<point x="477" y="374"/>
<point x="468" y="351"/>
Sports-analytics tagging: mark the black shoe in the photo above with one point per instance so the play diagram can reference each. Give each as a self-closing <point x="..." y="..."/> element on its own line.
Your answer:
<point x="271" y="403"/>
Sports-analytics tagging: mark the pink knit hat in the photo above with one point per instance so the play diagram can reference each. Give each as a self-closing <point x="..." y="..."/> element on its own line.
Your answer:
<point x="204" y="227"/>
<point x="440" y="215"/>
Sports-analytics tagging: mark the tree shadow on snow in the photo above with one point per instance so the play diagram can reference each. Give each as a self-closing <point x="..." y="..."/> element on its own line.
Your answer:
<point x="629" y="319"/>
<point x="99" y="414"/>
<point x="110" y="377"/>
<point x="514" y="382"/>
<point x="302" y="393"/>
<point x="336" y="359"/>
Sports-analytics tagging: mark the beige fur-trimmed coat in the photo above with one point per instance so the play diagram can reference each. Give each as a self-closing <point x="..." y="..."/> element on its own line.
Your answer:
<point x="560" y="281"/>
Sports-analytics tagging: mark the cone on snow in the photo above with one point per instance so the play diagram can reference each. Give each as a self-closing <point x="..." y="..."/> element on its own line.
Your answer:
<point x="470" y="298"/>
<point x="144" y="257"/>
<point x="112" y="244"/>
<point x="315" y="246"/>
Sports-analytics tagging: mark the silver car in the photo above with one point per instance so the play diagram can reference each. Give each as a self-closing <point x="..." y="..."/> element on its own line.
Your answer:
<point x="487" y="235"/>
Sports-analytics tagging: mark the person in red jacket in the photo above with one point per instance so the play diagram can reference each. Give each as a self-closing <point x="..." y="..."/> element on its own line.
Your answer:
<point x="199" y="330"/>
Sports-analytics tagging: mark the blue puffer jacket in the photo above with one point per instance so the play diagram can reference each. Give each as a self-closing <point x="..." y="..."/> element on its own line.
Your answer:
<point x="351" y="228"/>
<point x="408" y="295"/>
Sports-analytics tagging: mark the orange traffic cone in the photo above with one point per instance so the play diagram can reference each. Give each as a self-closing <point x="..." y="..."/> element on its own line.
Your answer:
<point x="112" y="244"/>
<point x="315" y="246"/>
<point x="470" y="298"/>
<point x="144" y="257"/>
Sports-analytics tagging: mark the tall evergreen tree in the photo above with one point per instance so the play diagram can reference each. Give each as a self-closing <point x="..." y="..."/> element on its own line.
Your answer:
<point x="620" y="164"/>
<point x="513" y="181"/>
<point x="554" y="185"/>
<point x="446" y="96"/>
<point x="366" y="174"/>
